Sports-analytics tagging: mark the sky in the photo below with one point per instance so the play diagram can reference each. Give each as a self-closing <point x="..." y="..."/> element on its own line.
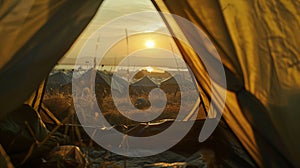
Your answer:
<point x="145" y="44"/>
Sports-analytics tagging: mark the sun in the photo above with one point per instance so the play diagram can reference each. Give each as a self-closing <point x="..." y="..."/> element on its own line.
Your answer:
<point x="150" y="43"/>
<point x="149" y="69"/>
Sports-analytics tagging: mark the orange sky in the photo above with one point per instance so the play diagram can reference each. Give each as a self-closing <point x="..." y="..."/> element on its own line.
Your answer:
<point x="140" y="31"/>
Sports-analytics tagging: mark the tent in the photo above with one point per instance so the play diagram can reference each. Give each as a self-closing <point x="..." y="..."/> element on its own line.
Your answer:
<point x="170" y="85"/>
<point x="253" y="41"/>
<point x="143" y="85"/>
<point x="99" y="77"/>
<point x="58" y="79"/>
<point x="256" y="40"/>
<point x="145" y="81"/>
<point x="119" y="84"/>
<point x="103" y="80"/>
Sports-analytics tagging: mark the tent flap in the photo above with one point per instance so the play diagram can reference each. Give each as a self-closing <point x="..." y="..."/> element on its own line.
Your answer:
<point x="42" y="32"/>
<point x="256" y="41"/>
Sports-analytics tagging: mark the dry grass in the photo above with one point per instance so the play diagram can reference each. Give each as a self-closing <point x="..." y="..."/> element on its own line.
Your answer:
<point x="61" y="103"/>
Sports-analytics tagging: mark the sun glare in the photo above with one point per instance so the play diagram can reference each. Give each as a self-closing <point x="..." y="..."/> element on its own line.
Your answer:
<point x="149" y="69"/>
<point x="150" y="44"/>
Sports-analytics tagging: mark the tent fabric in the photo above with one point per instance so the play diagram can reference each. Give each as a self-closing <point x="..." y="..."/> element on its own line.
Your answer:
<point x="257" y="42"/>
<point x="34" y="35"/>
<point x="23" y="128"/>
<point x="64" y="157"/>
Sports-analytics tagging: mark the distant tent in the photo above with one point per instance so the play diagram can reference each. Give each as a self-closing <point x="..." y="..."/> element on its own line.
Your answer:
<point x="144" y="85"/>
<point x="103" y="82"/>
<point x="93" y="80"/>
<point x="69" y="73"/>
<point x="102" y="79"/>
<point x="58" y="79"/>
<point x="99" y="78"/>
<point x="119" y="83"/>
<point x="170" y="86"/>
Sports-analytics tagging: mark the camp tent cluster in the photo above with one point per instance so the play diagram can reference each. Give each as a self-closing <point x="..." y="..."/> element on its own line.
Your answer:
<point x="61" y="81"/>
<point x="258" y="42"/>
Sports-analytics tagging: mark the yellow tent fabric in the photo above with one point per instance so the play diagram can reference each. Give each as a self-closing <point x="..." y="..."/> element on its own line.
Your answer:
<point x="34" y="35"/>
<point x="257" y="42"/>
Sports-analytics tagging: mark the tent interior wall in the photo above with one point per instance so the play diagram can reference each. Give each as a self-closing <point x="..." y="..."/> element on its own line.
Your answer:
<point x="256" y="40"/>
<point x="240" y="30"/>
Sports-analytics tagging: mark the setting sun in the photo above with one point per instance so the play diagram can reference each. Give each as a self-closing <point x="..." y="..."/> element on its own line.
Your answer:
<point x="150" y="44"/>
<point x="149" y="69"/>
